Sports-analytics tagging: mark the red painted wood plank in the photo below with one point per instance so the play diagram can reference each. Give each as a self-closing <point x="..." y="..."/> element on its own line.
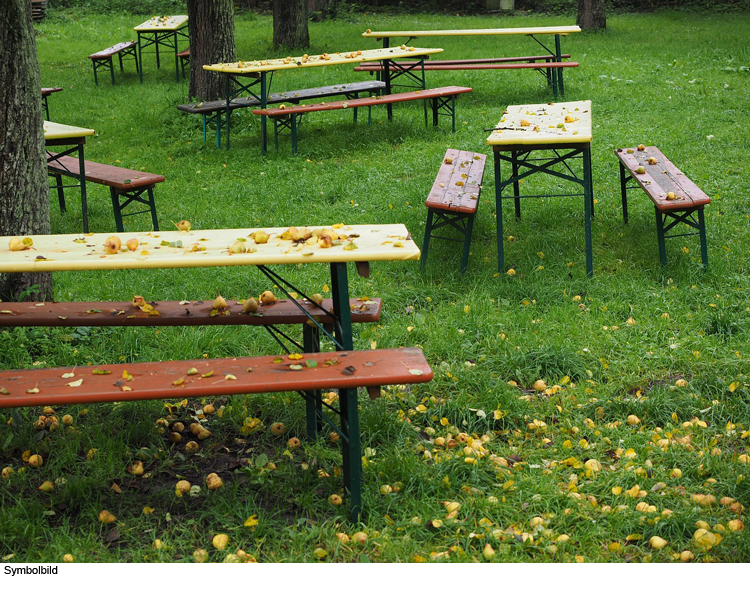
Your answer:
<point x="459" y="182"/>
<point x="114" y="50"/>
<point x="212" y="377"/>
<point x="105" y="174"/>
<point x="479" y="66"/>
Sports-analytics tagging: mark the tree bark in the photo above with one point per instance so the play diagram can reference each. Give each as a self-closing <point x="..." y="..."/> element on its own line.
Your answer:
<point x="24" y="189"/>
<point x="211" y="42"/>
<point x="591" y="15"/>
<point x="290" y="24"/>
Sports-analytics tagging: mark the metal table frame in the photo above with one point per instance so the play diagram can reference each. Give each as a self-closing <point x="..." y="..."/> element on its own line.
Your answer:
<point x="166" y="37"/>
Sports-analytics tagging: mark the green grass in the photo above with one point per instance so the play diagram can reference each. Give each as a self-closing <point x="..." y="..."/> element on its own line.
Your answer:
<point x="675" y="80"/>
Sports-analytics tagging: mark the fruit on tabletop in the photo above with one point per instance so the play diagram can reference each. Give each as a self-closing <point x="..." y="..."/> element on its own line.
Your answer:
<point x="570" y="119"/>
<point x="138" y="301"/>
<point x="132" y="244"/>
<point x="250" y="305"/>
<point x="238" y="247"/>
<point x="524" y="123"/>
<point x="324" y="241"/>
<point x="671" y="196"/>
<point x="652" y="160"/>
<point x="183" y="226"/>
<point x="640" y="170"/>
<point x="219" y="303"/>
<point x="17" y="244"/>
<point x="317" y="298"/>
<point x="214" y="481"/>
<point x="641" y="147"/>
<point x="267" y="298"/>
<point x="260" y="237"/>
<point x="112" y="245"/>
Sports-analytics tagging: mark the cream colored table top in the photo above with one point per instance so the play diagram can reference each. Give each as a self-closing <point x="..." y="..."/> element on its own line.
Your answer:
<point x="162" y="23"/>
<point x="546" y="123"/>
<point x="508" y="31"/>
<point x="326" y="59"/>
<point x="53" y="131"/>
<point x="204" y="248"/>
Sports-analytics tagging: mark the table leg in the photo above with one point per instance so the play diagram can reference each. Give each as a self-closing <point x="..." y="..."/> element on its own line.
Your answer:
<point x="218" y="121"/>
<point x="558" y="58"/>
<point x="263" y="118"/>
<point x="82" y="179"/>
<point x="587" y="207"/>
<point x="140" y="57"/>
<point x="499" y="213"/>
<point x="624" y="193"/>
<point x="702" y="233"/>
<point x="516" y="186"/>
<point x="387" y="80"/>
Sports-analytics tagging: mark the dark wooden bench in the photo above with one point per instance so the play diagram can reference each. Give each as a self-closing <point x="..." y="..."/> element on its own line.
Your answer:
<point x="442" y="99"/>
<point x="125" y="186"/>
<point x="677" y="200"/>
<point x="184" y="57"/>
<point x="38" y="10"/>
<point x="213" y="111"/>
<point x="345" y="371"/>
<point x="103" y="58"/>
<point x="545" y="64"/>
<point x="454" y="199"/>
<point x="45" y="93"/>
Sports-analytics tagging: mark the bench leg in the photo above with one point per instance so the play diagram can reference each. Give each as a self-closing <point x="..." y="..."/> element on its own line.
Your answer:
<point x="115" y="196"/>
<point x="119" y="55"/>
<point x="351" y="450"/>
<point x="624" y="193"/>
<point x="130" y="196"/>
<point x="702" y="232"/>
<point x="112" y="70"/>
<point x="313" y="399"/>
<point x="660" y="237"/>
<point x="294" y="134"/>
<point x="426" y="241"/>
<point x="499" y="214"/>
<point x="588" y="204"/>
<point x="60" y="192"/>
<point x="558" y="57"/>
<point x="467" y="243"/>
<point x="152" y="207"/>
<point x="516" y="186"/>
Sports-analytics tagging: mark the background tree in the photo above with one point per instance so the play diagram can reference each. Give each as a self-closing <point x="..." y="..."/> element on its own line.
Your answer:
<point x="24" y="190"/>
<point x="290" y="24"/>
<point x="211" y="42"/>
<point x="591" y="14"/>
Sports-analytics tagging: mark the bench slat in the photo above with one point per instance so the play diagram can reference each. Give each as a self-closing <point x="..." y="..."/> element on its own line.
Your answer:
<point x="365" y="102"/>
<point x="104" y="174"/>
<point x="466" y="168"/>
<point x="50" y="90"/>
<point x="661" y="178"/>
<point x="291" y="96"/>
<point x="172" y="313"/>
<point x="156" y="380"/>
<point x="478" y="66"/>
<point x="114" y="50"/>
<point x="487" y="60"/>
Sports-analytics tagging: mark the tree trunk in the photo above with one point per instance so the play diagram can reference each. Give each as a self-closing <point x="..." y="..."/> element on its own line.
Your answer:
<point x="290" y="24"/>
<point x="591" y="15"/>
<point x="24" y="189"/>
<point x="211" y="42"/>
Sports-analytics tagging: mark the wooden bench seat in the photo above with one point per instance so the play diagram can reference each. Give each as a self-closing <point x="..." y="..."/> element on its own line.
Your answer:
<point x="454" y="198"/>
<point x="213" y="111"/>
<point x="443" y="102"/>
<point x="103" y="58"/>
<point x="38" y="10"/>
<point x="125" y="185"/>
<point x="46" y="92"/>
<point x="677" y="199"/>
<point x="184" y="57"/>
<point x="545" y="64"/>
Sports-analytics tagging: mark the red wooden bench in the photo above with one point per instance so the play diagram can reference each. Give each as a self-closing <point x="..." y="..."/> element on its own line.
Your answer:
<point x="443" y="102"/>
<point x="125" y="186"/>
<point x="541" y="63"/>
<point x="454" y="199"/>
<point x="184" y="57"/>
<point x="45" y="93"/>
<point x="677" y="199"/>
<point x="103" y="58"/>
<point x="38" y="10"/>
<point x="214" y="111"/>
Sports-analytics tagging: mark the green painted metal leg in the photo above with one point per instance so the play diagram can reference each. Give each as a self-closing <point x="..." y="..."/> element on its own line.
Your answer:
<point x="116" y="208"/>
<point x="60" y="192"/>
<point x="351" y="451"/>
<point x="660" y="237"/>
<point x="82" y="180"/>
<point x="140" y="58"/>
<point x="587" y="205"/>
<point x="294" y="134"/>
<point x="702" y="232"/>
<point x="426" y="241"/>
<point x="467" y="243"/>
<point x="558" y="57"/>
<point x="314" y="401"/>
<point x="112" y="70"/>
<point x="152" y="206"/>
<point x="624" y="193"/>
<point x="516" y="186"/>
<point x="499" y="213"/>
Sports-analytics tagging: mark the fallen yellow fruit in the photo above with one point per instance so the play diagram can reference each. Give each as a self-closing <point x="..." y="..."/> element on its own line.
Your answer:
<point x="657" y="543"/>
<point x="220" y="541"/>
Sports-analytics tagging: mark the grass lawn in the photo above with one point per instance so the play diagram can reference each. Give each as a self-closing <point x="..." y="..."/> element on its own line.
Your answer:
<point x="642" y="429"/>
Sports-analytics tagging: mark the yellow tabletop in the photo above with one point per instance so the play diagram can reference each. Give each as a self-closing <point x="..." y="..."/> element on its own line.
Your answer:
<point x="326" y="59"/>
<point x="163" y="23"/>
<point x="508" y="31"/>
<point x="546" y="123"/>
<point x="54" y="131"/>
<point x="204" y="248"/>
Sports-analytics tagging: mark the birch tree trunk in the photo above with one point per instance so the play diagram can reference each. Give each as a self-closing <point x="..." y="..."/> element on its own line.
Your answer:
<point x="211" y="42"/>
<point x="24" y="189"/>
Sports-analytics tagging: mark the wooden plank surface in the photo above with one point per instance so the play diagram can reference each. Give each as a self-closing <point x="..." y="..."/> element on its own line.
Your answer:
<point x="488" y="60"/>
<point x="115" y="49"/>
<point x="459" y="182"/>
<point x="564" y="30"/>
<point x="206" y="248"/>
<point x="163" y="23"/>
<point x="173" y="313"/>
<point x="104" y="174"/>
<point x="546" y="123"/>
<point x="53" y="131"/>
<point x="365" y="102"/>
<point x="327" y="59"/>
<point x="661" y="177"/>
<point x="212" y="377"/>
<point x="432" y="66"/>
<point x="48" y="91"/>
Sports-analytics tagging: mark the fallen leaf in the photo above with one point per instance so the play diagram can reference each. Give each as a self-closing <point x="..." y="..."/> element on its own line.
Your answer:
<point x="76" y="383"/>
